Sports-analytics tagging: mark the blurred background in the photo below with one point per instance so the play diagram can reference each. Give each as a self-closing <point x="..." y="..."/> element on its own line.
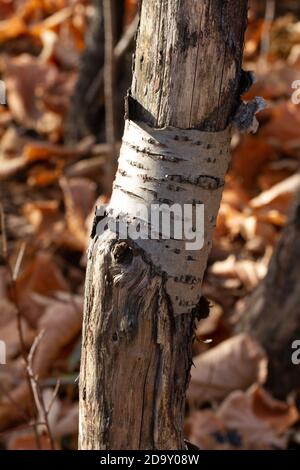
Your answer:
<point x="60" y="130"/>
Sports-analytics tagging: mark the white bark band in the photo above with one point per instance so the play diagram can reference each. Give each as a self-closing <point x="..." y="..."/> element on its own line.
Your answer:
<point x="173" y="166"/>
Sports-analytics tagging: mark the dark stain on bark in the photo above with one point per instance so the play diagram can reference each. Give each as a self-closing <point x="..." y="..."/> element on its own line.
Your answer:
<point x="186" y="39"/>
<point x="202" y="309"/>
<point x="122" y="253"/>
<point x="97" y="219"/>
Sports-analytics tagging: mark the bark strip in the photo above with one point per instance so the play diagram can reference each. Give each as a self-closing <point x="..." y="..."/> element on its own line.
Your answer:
<point x="180" y="173"/>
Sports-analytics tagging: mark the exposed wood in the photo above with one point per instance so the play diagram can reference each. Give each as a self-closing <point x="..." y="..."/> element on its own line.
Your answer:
<point x="188" y="63"/>
<point x="136" y="352"/>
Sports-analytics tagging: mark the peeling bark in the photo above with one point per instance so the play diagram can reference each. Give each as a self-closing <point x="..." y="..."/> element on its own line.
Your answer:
<point x="136" y="352"/>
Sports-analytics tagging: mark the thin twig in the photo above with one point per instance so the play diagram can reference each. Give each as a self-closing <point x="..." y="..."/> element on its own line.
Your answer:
<point x="109" y="75"/>
<point x="19" y="261"/>
<point x="14" y="402"/>
<point x="15" y="300"/>
<point x="38" y="395"/>
<point x="268" y="21"/>
<point x="54" y="395"/>
<point x="3" y="233"/>
<point x="21" y="428"/>
<point x="119" y="51"/>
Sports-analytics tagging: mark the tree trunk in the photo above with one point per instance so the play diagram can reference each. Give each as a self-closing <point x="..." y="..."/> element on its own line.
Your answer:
<point x="143" y="296"/>
<point x="272" y="312"/>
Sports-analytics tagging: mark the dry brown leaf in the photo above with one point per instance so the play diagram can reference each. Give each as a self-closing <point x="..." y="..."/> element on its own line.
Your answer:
<point x="276" y="172"/>
<point x="12" y="28"/>
<point x="9" y="333"/>
<point x="260" y="418"/>
<point x="79" y="197"/>
<point x="36" y="151"/>
<point x="7" y="311"/>
<point x="41" y="176"/>
<point x="203" y="428"/>
<point x="279" y="415"/>
<point x="229" y="221"/>
<point x="40" y="276"/>
<point x="245" y="420"/>
<point x="11" y="158"/>
<point x="27" y="81"/>
<point x="249" y="272"/>
<point x="61" y="323"/>
<point x="53" y="21"/>
<point x="67" y="425"/>
<point x="274" y="83"/>
<point x="42" y="214"/>
<point x="249" y="157"/>
<point x="25" y="440"/>
<point x="282" y="129"/>
<point x="279" y="196"/>
<point x="234" y="364"/>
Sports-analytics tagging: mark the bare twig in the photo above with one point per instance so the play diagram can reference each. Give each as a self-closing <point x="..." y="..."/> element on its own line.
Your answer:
<point x="119" y="51"/>
<point x="54" y="395"/>
<point x="38" y="395"/>
<point x="268" y="21"/>
<point x="3" y="233"/>
<point x="19" y="261"/>
<point x="14" y="402"/>
<point x="109" y="73"/>
<point x="20" y="428"/>
<point x="14" y="295"/>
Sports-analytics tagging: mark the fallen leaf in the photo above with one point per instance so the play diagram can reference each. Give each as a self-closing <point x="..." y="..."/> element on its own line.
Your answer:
<point x="234" y="364"/>
<point x="61" y="323"/>
<point x="249" y="272"/>
<point x="11" y="158"/>
<point x="41" y="276"/>
<point x="26" y="441"/>
<point x="12" y="28"/>
<point x="67" y="425"/>
<point x="79" y="197"/>
<point x="259" y="418"/>
<point x="279" y="196"/>
<point x="251" y="420"/>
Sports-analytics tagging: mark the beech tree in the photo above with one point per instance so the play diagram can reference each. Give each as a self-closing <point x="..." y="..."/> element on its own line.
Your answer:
<point x="143" y="297"/>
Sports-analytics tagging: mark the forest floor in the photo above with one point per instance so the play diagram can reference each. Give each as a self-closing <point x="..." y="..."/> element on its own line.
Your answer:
<point x="48" y="192"/>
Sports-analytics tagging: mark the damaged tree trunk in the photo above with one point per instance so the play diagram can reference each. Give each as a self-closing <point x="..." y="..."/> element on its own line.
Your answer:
<point x="272" y="312"/>
<point x="143" y="295"/>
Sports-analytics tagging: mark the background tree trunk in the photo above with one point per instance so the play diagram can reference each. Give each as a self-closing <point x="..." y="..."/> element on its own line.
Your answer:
<point x="137" y="335"/>
<point x="86" y="114"/>
<point x="272" y="312"/>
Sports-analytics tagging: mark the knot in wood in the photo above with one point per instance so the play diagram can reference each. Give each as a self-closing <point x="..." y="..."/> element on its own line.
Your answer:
<point x="122" y="253"/>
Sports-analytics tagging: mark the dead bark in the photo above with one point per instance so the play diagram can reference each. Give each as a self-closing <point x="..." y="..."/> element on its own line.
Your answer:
<point x="272" y="312"/>
<point x="137" y="333"/>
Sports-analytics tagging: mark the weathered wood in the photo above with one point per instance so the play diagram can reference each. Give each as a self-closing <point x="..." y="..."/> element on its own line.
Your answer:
<point x="136" y="353"/>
